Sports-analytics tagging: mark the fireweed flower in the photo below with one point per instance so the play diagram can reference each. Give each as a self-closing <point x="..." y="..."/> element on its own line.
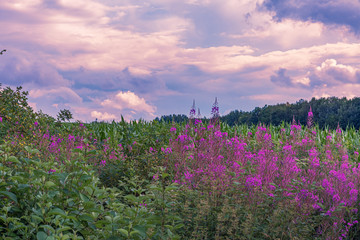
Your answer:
<point x="197" y="121"/>
<point x="295" y="126"/>
<point x="260" y="128"/>
<point x="272" y="187"/>
<point x="167" y="150"/>
<point x="1" y="119"/>
<point x="310" y="121"/>
<point x="267" y="137"/>
<point x="173" y="129"/>
<point x="36" y="123"/>
<point x="188" y="176"/>
<point x="353" y="195"/>
<point x="317" y="207"/>
<point x="336" y="198"/>
<point x="287" y="148"/>
<point x="71" y="137"/>
<point x="338" y="181"/>
<point x="253" y="181"/>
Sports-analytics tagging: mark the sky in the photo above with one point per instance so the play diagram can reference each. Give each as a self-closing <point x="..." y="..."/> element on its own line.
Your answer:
<point x="143" y="59"/>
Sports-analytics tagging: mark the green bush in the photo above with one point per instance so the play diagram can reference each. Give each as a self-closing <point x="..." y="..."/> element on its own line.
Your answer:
<point x="16" y="114"/>
<point x="48" y="200"/>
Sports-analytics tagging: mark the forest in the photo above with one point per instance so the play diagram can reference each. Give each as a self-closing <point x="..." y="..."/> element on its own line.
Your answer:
<point x="328" y="112"/>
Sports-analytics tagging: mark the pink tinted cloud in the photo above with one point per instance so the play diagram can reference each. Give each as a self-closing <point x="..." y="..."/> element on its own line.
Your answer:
<point x="128" y="100"/>
<point x="67" y="94"/>
<point x="50" y="37"/>
<point x="332" y="73"/>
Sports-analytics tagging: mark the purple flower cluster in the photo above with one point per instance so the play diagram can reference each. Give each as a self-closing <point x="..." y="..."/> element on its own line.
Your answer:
<point x="314" y="179"/>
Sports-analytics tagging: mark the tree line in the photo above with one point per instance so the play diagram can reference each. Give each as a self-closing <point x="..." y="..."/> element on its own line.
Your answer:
<point x="328" y="112"/>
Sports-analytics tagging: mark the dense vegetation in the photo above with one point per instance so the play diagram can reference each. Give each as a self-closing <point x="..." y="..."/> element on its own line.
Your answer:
<point x="164" y="180"/>
<point x="328" y="112"/>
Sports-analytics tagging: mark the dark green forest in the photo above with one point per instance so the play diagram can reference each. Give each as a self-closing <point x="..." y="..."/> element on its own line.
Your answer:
<point x="328" y="112"/>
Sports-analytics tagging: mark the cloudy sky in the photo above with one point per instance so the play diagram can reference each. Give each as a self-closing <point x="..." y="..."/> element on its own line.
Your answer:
<point x="141" y="59"/>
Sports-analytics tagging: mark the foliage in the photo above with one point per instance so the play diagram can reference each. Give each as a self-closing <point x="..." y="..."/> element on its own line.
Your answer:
<point x="163" y="180"/>
<point x="64" y="115"/>
<point x="16" y="114"/>
<point x="42" y="199"/>
<point x="178" y="118"/>
<point x="328" y="112"/>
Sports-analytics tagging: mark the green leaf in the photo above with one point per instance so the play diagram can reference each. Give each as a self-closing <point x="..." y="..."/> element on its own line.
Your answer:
<point x="3" y="218"/>
<point x="41" y="236"/>
<point x="164" y="175"/>
<point x="9" y="195"/>
<point x="36" y="219"/>
<point x="132" y="233"/>
<point x="92" y="151"/>
<point x="181" y="225"/>
<point x="27" y="148"/>
<point x="141" y="230"/>
<point x="35" y="151"/>
<point x="13" y="159"/>
<point x="86" y="217"/>
<point x="170" y="188"/>
<point x="89" y="190"/>
<point x="76" y="150"/>
<point x="83" y="197"/>
<point x="48" y="227"/>
<point x="124" y="232"/>
<point x="89" y="205"/>
<point x="57" y="211"/>
<point x="131" y="198"/>
<point x="49" y="184"/>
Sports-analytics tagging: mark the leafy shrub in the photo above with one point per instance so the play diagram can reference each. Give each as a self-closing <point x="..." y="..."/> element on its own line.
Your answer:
<point x="16" y="114"/>
<point x="48" y="200"/>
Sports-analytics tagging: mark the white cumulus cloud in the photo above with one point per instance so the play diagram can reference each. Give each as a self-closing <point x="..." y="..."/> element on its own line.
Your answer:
<point x="102" y="115"/>
<point x="129" y="100"/>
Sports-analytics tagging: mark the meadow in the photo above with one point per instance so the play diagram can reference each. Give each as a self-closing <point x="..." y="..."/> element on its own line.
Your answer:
<point x="158" y="180"/>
